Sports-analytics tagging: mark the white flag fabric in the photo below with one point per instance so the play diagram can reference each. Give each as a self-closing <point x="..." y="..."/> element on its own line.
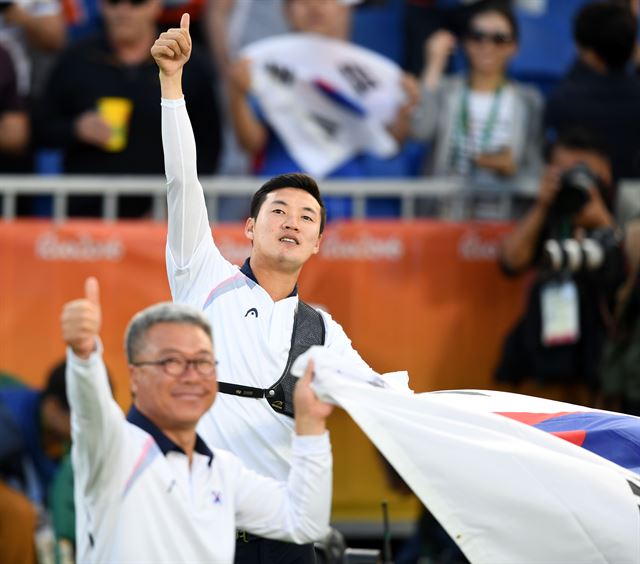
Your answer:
<point x="503" y="489"/>
<point x="328" y="100"/>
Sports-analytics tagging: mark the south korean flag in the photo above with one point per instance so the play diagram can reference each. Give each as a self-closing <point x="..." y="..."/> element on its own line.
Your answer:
<point x="327" y="99"/>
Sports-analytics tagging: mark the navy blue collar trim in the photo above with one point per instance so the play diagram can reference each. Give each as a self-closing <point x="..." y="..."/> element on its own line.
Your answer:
<point x="246" y="270"/>
<point x="165" y="444"/>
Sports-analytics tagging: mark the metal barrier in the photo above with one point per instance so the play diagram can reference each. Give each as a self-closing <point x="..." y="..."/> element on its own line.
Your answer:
<point x="454" y="198"/>
<point x="452" y="195"/>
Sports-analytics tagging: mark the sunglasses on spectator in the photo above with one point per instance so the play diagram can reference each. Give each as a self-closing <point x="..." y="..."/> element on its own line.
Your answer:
<point x="132" y="2"/>
<point x="496" y="38"/>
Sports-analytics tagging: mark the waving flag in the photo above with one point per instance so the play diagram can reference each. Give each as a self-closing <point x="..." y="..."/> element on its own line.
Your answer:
<point x="505" y="489"/>
<point x="614" y="436"/>
<point x="328" y="100"/>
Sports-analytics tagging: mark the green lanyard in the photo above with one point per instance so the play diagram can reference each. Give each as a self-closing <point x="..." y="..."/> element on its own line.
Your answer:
<point x="462" y="135"/>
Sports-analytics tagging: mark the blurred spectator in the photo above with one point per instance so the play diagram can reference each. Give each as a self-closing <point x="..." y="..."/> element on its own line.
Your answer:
<point x="569" y="238"/>
<point x="231" y="25"/>
<point x="63" y="511"/>
<point x="102" y="105"/>
<point x="17" y="526"/>
<point x="29" y="28"/>
<point x="42" y="418"/>
<point x="326" y="18"/>
<point x="17" y="514"/>
<point x="14" y="121"/>
<point x="426" y="17"/>
<point x="620" y="378"/>
<point x="482" y="124"/>
<point x="34" y="434"/>
<point x="598" y="92"/>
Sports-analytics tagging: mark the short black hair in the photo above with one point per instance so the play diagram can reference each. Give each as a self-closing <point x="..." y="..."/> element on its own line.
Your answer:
<point x="56" y="386"/>
<point x="578" y="139"/>
<point x="609" y="30"/>
<point x="496" y="7"/>
<point x="291" y="180"/>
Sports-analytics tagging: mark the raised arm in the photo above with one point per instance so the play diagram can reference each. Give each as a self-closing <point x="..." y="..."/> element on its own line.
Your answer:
<point x="187" y="212"/>
<point x="299" y="509"/>
<point x="438" y="49"/>
<point x="95" y="416"/>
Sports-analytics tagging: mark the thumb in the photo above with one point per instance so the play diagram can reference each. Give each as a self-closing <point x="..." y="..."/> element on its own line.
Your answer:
<point x="92" y="290"/>
<point x="184" y="21"/>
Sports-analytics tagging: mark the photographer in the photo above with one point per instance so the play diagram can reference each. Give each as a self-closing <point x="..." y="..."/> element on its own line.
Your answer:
<point x="570" y="238"/>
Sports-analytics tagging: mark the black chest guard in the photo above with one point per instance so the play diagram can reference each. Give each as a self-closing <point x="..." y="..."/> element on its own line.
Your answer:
<point x="308" y="330"/>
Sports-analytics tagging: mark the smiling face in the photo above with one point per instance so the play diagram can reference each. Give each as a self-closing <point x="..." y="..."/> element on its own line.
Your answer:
<point x="173" y="403"/>
<point x="490" y="43"/>
<point x="286" y="231"/>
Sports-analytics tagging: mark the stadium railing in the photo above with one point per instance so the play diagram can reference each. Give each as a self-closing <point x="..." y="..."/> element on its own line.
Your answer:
<point x="453" y="198"/>
<point x="449" y="193"/>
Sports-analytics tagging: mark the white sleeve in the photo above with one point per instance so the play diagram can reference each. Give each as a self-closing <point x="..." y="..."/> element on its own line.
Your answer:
<point x="97" y="429"/>
<point x="296" y="511"/>
<point x="192" y="257"/>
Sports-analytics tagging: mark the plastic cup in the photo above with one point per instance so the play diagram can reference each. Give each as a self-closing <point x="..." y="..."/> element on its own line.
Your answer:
<point x="116" y="112"/>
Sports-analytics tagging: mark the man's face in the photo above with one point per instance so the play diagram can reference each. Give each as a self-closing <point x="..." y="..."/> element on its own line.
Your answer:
<point x="286" y="231"/>
<point x="128" y="22"/>
<point x="173" y="403"/>
<point x="324" y="17"/>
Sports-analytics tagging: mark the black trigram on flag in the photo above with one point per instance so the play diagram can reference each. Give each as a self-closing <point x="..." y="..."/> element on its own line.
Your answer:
<point x="358" y="77"/>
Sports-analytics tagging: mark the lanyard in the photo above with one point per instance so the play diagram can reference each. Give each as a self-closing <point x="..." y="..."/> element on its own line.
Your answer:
<point x="463" y="138"/>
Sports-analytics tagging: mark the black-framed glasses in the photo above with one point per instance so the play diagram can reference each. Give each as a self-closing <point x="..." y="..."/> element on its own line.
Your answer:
<point x="497" y="38"/>
<point x="177" y="365"/>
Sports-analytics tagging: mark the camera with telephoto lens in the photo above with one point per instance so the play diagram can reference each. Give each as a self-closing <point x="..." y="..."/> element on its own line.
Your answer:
<point x="575" y="190"/>
<point x="601" y="249"/>
<point x="599" y="253"/>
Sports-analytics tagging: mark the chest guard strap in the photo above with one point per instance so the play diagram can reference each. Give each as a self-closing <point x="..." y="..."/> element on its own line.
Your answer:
<point x="308" y="330"/>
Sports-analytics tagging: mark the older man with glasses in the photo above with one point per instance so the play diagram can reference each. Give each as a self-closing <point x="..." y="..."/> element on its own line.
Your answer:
<point x="148" y="488"/>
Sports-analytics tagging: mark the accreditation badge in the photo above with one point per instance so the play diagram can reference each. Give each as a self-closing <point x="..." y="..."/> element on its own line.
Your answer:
<point x="560" y="315"/>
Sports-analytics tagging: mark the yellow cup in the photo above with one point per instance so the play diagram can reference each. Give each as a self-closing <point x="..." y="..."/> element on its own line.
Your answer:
<point x="116" y="112"/>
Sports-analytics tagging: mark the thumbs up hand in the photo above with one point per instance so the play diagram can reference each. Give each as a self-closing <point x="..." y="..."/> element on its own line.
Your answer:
<point x="172" y="49"/>
<point x="81" y="320"/>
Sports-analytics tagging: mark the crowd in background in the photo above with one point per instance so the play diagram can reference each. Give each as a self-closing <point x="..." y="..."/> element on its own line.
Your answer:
<point x="67" y="67"/>
<point x="481" y="91"/>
